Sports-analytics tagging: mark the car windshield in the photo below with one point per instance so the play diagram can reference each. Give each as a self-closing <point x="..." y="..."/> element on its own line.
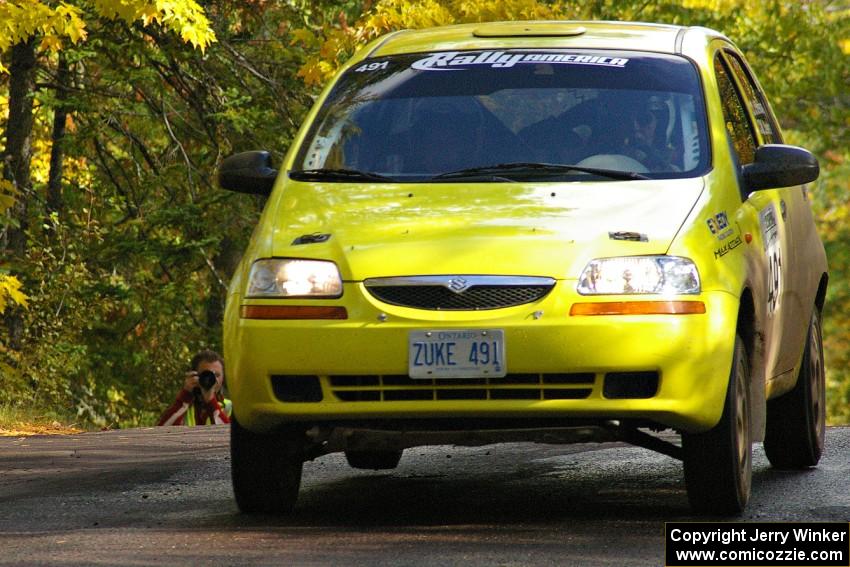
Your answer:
<point x="416" y="117"/>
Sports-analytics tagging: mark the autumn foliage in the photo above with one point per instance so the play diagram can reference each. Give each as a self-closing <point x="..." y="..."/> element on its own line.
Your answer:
<point x="129" y="244"/>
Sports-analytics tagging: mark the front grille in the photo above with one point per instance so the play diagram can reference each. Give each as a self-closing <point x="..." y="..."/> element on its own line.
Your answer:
<point x="393" y="388"/>
<point x="478" y="297"/>
<point x="459" y="292"/>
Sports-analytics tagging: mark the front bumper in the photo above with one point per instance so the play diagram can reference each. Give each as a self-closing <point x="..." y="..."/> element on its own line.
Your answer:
<point x="691" y="355"/>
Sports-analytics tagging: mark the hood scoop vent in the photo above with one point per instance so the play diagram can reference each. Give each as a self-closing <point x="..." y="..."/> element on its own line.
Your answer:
<point x="629" y="236"/>
<point x="314" y="238"/>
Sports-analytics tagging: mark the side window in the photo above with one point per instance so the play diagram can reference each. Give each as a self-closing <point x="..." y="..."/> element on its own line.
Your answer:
<point x="765" y="121"/>
<point x="735" y="114"/>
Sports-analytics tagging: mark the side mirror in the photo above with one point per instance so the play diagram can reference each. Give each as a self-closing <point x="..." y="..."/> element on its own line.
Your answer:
<point x="248" y="172"/>
<point x="778" y="165"/>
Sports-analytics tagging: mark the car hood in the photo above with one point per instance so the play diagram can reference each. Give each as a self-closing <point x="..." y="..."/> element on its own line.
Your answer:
<point x="551" y="229"/>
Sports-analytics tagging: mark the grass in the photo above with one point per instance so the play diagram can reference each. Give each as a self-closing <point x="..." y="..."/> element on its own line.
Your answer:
<point x="24" y="421"/>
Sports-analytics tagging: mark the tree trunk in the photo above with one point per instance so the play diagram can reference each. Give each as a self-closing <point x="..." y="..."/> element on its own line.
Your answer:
<point x="16" y="165"/>
<point x="225" y="262"/>
<point x="55" y="200"/>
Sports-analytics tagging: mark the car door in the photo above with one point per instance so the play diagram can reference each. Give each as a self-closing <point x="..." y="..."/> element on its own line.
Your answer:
<point x="785" y="316"/>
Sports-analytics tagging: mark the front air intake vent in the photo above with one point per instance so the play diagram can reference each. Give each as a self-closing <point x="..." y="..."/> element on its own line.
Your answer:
<point x="297" y="388"/>
<point x="401" y="388"/>
<point x="630" y="385"/>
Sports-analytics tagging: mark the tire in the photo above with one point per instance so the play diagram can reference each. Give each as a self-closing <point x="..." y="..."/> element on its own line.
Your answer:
<point x="718" y="463"/>
<point x="265" y="469"/>
<point x="374" y="460"/>
<point x="796" y="421"/>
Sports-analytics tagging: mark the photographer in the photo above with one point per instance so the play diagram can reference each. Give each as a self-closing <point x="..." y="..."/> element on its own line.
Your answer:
<point x="200" y="402"/>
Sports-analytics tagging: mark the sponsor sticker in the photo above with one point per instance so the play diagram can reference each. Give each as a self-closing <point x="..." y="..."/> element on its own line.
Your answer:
<point x="456" y="60"/>
<point x="728" y="247"/>
<point x="769" y="230"/>
<point x="773" y="252"/>
<point x="719" y="226"/>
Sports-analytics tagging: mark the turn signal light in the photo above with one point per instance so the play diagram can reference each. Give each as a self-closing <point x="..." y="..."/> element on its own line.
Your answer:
<point x="293" y="312"/>
<point x="639" y="308"/>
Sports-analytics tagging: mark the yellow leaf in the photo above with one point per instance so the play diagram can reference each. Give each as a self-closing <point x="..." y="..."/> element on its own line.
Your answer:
<point x="311" y="72"/>
<point x="149" y="14"/>
<point x="7" y="194"/>
<point x="10" y="286"/>
<point x="51" y="43"/>
<point x="76" y="33"/>
<point x="303" y="36"/>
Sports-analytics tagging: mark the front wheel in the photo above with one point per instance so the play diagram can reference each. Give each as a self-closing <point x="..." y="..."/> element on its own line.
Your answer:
<point x="265" y="469"/>
<point x="718" y="463"/>
<point x="796" y="421"/>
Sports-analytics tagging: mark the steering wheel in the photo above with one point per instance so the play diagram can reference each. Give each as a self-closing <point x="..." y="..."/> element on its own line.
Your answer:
<point x="618" y="162"/>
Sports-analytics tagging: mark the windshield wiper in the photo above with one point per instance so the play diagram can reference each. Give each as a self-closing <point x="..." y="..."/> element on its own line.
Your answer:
<point x="338" y="175"/>
<point x="523" y="169"/>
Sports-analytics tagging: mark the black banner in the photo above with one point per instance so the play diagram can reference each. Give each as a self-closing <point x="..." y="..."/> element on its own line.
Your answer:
<point x="757" y="544"/>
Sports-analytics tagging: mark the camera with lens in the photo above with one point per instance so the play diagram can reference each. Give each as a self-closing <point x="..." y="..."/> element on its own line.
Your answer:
<point x="206" y="379"/>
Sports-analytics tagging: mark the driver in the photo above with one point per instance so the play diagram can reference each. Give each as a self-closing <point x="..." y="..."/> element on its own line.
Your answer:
<point x="448" y="134"/>
<point x="644" y="140"/>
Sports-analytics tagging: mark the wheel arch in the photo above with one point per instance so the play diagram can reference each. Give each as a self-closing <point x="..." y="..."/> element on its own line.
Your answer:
<point x="748" y="329"/>
<point x="820" y="297"/>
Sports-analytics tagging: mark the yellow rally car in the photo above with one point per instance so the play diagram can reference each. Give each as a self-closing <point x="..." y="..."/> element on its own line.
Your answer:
<point x="542" y="231"/>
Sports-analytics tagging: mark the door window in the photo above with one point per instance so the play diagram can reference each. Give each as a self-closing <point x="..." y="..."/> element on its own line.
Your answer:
<point x="735" y="114"/>
<point x="765" y="121"/>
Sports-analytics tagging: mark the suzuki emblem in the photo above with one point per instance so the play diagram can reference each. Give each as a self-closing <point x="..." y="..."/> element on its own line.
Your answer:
<point x="457" y="285"/>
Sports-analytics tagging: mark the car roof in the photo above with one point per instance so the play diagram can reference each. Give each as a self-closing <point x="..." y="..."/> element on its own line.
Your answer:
<point x="624" y="36"/>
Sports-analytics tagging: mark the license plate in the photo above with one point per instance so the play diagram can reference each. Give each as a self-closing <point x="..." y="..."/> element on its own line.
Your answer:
<point x="457" y="354"/>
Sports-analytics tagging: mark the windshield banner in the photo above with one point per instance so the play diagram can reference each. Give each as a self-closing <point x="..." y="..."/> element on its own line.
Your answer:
<point x="450" y="60"/>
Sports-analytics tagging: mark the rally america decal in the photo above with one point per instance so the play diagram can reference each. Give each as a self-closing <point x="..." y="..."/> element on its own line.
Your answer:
<point x="453" y="60"/>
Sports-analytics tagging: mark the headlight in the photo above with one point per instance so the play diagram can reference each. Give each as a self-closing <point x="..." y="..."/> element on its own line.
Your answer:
<point x="294" y="278"/>
<point x="667" y="275"/>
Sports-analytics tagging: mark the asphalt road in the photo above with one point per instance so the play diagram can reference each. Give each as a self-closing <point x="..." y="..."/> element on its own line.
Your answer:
<point x="163" y="496"/>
